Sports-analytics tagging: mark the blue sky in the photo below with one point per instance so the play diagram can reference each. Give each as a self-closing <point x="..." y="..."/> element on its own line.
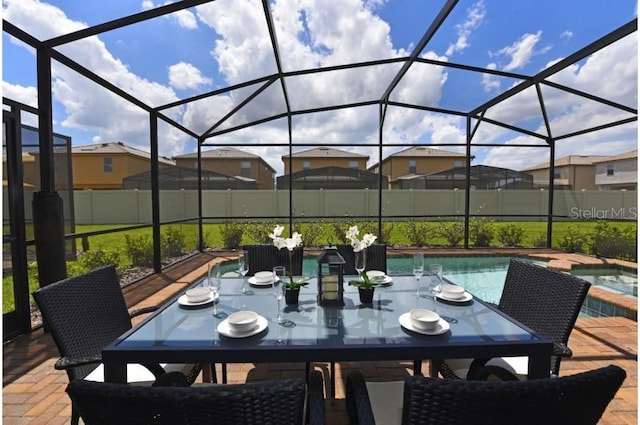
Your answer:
<point x="225" y="42"/>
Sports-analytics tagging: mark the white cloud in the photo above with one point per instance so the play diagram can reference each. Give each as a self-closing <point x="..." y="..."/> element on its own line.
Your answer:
<point x="567" y="35"/>
<point x="475" y="17"/>
<point x="186" y="76"/>
<point x="22" y="94"/>
<point x="490" y="82"/>
<point x="521" y="51"/>
<point x="184" y="17"/>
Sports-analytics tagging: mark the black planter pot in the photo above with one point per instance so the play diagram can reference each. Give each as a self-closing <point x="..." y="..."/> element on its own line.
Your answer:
<point x="366" y="295"/>
<point x="291" y="296"/>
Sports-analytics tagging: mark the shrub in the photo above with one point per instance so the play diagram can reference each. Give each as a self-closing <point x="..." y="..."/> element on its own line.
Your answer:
<point x="451" y="231"/>
<point x="481" y="231"/>
<point x="340" y="229"/>
<point x="99" y="257"/>
<point x="511" y="235"/>
<point x="416" y="232"/>
<point x="573" y="241"/>
<point x="259" y="231"/>
<point x="139" y="249"/>
<point x="611" y="242"/>
<point x="231" y="233"/>
<point x="312" y="233"/>
<point x="172" y="242"/>
<point x="540" y="241"/>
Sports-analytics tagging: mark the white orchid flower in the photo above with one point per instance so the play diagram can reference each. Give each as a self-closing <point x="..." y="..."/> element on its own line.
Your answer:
<point x="277" y="231"/>
<point x="368" y="239"/>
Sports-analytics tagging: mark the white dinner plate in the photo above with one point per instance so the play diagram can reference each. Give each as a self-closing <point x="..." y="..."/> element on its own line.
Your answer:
<point x="252" y="281"/>
<point x="183" y="300"/>
<point x="225" y="329"/>
<point x="441" y="327"/>
<point x="466" y="297"/>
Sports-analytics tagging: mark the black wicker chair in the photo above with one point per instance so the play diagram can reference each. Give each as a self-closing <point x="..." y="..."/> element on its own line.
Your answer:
<point x="546" y="301"/>
<point x="376" y="258"/>
<point x="575" y="399"/>
<point x="265" y="257"/>
<point x="84" y="314"/>
<point x="280" y="402"/>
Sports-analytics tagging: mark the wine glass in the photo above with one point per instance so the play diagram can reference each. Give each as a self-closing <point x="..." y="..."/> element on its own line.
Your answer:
<point x="279" y="286"/>
<point x="435" y="281"/>
<point x="214" y="280"/>
<point x="360" y="261"/>
<point x="243" y="267"/>
<point x="418" y="269"/>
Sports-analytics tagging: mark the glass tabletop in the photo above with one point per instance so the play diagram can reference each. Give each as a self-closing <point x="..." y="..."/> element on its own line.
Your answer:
<point x="310" y="324"/>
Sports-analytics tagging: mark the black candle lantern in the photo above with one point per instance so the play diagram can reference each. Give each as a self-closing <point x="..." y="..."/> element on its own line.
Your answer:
<point x="330" y="276"/>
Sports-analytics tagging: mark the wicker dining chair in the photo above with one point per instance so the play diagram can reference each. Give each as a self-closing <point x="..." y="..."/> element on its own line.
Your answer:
<point x="376" y="258"/>
<point x="84" y="314"/>
<point x="573" y="399"/>
<point x="545" y="300"/>
<point x="265" y="257"/>
<point x="281" y="402"/>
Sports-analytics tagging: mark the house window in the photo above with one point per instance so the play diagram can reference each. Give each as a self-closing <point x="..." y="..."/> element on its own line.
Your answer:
<point x="107" y="164"/>
<point x="556" y="174"/>
<point x="245" y="168"/>
<point x="412" y="166"/>
<point x="306" y="165"/>
<point x="610" y="169"/>
<point x="457" y="163"/>
<point x="353" y="164"/>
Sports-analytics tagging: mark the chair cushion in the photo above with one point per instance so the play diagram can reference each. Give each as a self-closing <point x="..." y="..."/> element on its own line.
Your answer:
<point x="137" y="373"/>
<point x="519" y="366"/>
<point x="386" y="401"/>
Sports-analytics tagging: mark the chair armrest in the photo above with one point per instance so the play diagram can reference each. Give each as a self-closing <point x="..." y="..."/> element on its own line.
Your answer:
<point x="561" y="350"/>
<point x="357" y="400"/>
<point x="143" y="310"/>
<point x="315" y="399"/>
<point x="64" y="363"/>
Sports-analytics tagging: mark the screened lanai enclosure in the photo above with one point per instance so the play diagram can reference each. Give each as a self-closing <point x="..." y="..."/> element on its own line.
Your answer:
<point x="480" y="82"/>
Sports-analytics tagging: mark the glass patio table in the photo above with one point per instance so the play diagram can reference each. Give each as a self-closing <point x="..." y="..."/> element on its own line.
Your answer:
<point x="315" y="333"/>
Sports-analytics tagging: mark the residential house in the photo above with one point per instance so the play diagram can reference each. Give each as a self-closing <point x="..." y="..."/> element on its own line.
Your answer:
<point x="177" y="178"/>
<point x="573" y="172"/>
<point x="417" y="161"/>
<point x="251" y="169"/>
<point x="327" y="168"/>
<point x="29" y="174"/>
<point x="101" y="165"/>
<point x="617" y="172"/>
<point x="482" y="177"/>
<point x="324" y="157"/>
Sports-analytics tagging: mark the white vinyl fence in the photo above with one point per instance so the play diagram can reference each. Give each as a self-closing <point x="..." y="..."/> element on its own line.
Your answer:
<point x="134" y="206"/>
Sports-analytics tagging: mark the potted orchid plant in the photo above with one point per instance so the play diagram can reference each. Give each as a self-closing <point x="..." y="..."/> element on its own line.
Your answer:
<point x="365" y="284"/>
<point x="290" y="243"/>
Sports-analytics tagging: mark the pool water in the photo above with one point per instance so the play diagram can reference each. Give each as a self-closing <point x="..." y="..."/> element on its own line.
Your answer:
<point x="482" y="276"/>
<point x="612" y="279"/>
